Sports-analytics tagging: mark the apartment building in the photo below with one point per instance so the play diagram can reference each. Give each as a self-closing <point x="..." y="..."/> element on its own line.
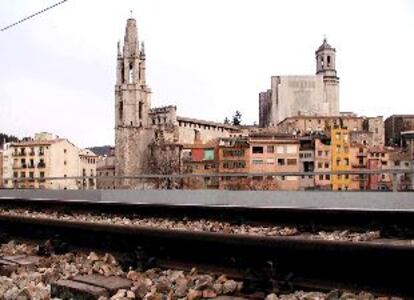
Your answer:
<point x="199" y="158"/>
<point x="6" y="169"/>
<point x="47" y="156"/>
<point x="273" y="152"/>
<point x="323" y="163"/>
<point x="359" y="162"/>
<point x="234" y="157"/>
<point x="87" y="168"/>
<point x="340" y="151"/>
<point x="306" y="162"/>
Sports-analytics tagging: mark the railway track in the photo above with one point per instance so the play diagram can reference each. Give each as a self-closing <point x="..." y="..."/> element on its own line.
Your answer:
<point x="265" y="263"/>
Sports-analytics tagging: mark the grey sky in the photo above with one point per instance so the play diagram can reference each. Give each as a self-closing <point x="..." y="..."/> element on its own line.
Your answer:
<point x="57" y="71"/>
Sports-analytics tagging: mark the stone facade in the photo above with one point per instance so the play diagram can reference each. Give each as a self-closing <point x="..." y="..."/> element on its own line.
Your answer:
<point x="302" y="95"/>
<point x="396" y="124"/>
<point x="105" y="169"/>
<point x="365" y="130"/>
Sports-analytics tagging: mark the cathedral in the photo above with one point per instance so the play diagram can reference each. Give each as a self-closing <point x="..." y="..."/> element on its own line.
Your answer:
<point x="138" y="125"/>
<point x="302" y="94"/>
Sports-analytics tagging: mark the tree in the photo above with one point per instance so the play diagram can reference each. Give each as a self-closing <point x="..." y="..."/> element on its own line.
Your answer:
<point x="237" y="118"/>
<point x="226" y="121"/>
<point x="164" y="159"/>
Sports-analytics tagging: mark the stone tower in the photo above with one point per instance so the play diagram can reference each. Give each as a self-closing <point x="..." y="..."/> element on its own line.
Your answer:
<point x="133" y="130"/>
<point x="325" y="66"/>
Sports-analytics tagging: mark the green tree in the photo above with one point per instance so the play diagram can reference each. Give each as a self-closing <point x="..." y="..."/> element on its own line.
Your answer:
<point x="237" y="118"/>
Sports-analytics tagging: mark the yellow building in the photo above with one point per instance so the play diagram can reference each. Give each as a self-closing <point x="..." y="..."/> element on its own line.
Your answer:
<point x="340" y="154"/>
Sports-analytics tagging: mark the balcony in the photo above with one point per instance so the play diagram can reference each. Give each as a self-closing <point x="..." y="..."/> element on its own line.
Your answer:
<point x="19" y="153"/>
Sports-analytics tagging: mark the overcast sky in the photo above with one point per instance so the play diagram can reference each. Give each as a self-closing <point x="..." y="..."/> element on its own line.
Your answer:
<point x="210" y="58"/>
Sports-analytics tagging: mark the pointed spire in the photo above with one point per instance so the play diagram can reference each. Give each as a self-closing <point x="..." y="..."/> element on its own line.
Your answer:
<point x="131" y="39"/>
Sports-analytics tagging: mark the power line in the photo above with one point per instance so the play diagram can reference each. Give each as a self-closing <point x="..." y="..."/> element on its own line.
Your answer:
<point x="34" y="15"/>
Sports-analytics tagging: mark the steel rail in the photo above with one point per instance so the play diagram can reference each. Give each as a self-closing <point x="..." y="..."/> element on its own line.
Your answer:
<point x="328" y="261"/>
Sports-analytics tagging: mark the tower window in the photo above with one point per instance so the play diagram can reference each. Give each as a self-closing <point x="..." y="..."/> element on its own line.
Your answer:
<point x="322" y="62"/>
<point x="329" y="61"/>
<point x="121" y="111"/>
<point x="131" y="73"/>
<point x="140" y="110"/>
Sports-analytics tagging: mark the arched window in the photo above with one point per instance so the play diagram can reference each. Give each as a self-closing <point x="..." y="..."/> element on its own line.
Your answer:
<point x="322" y="62"/>
<point x="329" y="60"/>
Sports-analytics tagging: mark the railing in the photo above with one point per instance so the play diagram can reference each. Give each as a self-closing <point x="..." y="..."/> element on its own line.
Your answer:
<point x="400" y="180"/>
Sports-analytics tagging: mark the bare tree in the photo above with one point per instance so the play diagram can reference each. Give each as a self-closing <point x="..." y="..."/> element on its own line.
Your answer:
<point x="164" y="159"/>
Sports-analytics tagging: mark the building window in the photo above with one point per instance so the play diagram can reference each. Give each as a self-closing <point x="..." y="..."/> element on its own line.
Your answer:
<point x="280" y="161"/>
<point x="121" y="111"/>
<point x="328" y="177"/>
<point x="291" y="161"/>
<point x="64" y="150"/>
<point x="319" y="165"/>
<point x="257" y="161"/>
<point x="270" y="149"/>
<point x="257" y="149"/>
<point x="338" y="162"/>
<point x="338" y="148"/>
<point x="346" y="162"/>
<point x="327" y="165"/>
<point x="319" y="153"/>
<point x="131" y="73"/>
<point x="320" y="177"/>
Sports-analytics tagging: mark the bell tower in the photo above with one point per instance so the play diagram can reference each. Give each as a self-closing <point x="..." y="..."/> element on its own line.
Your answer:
<point x="326" y="66"/>
<point x="132" y="106"/>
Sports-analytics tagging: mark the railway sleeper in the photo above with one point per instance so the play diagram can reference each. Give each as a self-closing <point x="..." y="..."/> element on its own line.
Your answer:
<point x="87" y="287"/>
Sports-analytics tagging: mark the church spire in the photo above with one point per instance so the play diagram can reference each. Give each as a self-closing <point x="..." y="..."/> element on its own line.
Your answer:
<point x="131" y="48"/>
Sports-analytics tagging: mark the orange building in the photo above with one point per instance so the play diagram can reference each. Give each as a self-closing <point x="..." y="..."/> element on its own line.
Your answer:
<point x="234" y="157"/>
